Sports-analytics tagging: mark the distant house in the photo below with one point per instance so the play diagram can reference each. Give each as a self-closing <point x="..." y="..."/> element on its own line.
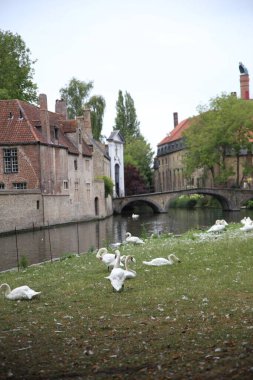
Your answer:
<point x="50" y="167"/>
<point x="168" y="165"/>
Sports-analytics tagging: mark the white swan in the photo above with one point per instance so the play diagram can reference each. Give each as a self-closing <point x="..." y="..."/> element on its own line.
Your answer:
<point x="133" y="239"/>
<point x="107" y="258"/>
<point x="135" y="216"/>
<point x="20" y="293"/>
<point x="247" y="227"/>
<point x="159" y="261"/>
<point x="216" y="228"/>
<point x="129" y="273"/>
<point x="117" y="275"/>
<point x="222" y="222"/>
<point x="246" y="220"/>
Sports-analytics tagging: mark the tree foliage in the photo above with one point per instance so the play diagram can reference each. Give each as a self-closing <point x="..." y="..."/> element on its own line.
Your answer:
<point x="224" y="127"/>
<point x="137" y="152"/>
<point x="16" y="71"/>
<point x="76" y="95"/>
<point x="134" y="183"/>
<point x="126" y="118"/>
<point x="96" y="104"/>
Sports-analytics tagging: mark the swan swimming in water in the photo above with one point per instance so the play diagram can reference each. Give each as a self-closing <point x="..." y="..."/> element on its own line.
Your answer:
<point x="117" y="275"/>
<point x="20" y="293"/>
<point x="107" y="258"/>
<point x="133" y="239"/>
<point x="159" y="261"/>
<point x="135" y="216"/>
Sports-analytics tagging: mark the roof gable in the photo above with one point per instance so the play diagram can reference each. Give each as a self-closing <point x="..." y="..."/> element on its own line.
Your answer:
<point x="177" y="132"/>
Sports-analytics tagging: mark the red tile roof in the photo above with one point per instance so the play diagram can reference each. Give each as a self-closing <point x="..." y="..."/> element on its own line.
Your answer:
<point x="24" y="130"/>
<point x="177" y="132"/>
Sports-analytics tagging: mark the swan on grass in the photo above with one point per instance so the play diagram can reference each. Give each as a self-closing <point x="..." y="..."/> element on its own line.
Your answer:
<point x="217" y="228"/>
<point x="159" y="261"/>
<point x="247" y="227"/>
<point x="246" y="220"/>
<point x="133" y="239"/>
<point x="222" y="222"/>
<point x="20" y="293"/>
<point x="129" y="273"/>
<point x="117" y="275"/>
<point x="107" y="258"/>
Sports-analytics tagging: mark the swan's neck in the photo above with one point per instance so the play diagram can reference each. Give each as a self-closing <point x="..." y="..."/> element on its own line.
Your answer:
<point x="101" y="252"/>
<point x="117" y="261"/>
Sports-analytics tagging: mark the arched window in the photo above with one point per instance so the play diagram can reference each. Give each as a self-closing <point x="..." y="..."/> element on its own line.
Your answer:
<point x="117" y="179"/>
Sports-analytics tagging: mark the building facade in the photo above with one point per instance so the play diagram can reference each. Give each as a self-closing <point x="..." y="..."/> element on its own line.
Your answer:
<point x="168" y="165"/>
<point x="116" y="153"/>
<point x="50" y="167"/>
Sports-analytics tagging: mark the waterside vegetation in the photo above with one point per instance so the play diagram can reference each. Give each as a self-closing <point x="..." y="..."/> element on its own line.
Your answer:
<point x="187" y="320"/>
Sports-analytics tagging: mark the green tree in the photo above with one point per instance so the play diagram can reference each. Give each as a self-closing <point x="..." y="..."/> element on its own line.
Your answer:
<point x="126" y="118"/>
<point x="16" y="71"/>
<point x="75" y="95"/>
<point x="97" y="106"/>
<point x="224" y="127"/>
<point x="138" y="153"/>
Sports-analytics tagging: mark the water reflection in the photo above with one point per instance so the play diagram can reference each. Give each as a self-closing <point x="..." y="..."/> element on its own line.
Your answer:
<point x="39" y="246"/>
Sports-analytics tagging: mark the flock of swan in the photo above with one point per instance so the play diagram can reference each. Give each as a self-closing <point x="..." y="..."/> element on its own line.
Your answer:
<point x="220" y="225"/>
<point x="119" y="265"/>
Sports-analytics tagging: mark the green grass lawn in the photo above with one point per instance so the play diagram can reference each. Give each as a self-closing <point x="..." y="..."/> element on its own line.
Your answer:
<point x="190" y="320"/>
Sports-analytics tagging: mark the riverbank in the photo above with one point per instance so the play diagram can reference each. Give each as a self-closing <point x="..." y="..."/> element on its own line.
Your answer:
<point x="189" y="320"/>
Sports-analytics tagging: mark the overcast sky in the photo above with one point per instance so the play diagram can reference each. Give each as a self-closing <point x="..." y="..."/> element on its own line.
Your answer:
<point x="171" y="56"/>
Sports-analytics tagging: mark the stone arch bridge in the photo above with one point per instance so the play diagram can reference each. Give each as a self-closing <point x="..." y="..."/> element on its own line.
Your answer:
<point x="230" y="199"/>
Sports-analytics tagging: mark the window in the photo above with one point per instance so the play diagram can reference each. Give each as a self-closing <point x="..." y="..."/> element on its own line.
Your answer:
<point x="87" y="165"/>
<point x="65" y="185"/>
<point x="76" y="185"/>
<point x="10" y="160"/>
<point x="38" y="205"/>
<point x="19" y="185"/>
<point x="75" y="164"/>
<point x="2" y="186"/>
<point x="56" y="133"/>
<point x="79" y="137"/>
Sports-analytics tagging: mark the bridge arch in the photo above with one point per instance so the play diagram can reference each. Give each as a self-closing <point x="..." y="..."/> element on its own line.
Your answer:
<point x="224" y="202"/>
<point x="230" y="199"/>
<point x="156" y="207"/>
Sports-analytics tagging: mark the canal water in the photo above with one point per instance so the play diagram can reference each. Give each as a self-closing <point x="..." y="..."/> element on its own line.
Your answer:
<point x="55" y="242"/>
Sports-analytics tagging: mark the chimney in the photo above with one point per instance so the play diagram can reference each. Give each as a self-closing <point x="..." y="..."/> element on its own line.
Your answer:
<point x="244" y="81"/>
<point x="61" y="108"/>
<point x="87" y="122"/>
<point x="44" y="117"/>
<point x="175" y="119"/>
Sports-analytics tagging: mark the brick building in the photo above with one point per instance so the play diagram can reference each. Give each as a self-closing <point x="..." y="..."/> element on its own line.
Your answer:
<point x="169" y="173"/>
<point x="50" y="167"/>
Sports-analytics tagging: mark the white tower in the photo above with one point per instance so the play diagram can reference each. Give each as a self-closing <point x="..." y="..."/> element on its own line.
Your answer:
<point x="116" y="153"/>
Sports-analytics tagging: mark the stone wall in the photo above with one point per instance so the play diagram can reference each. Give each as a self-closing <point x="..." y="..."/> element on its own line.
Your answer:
<point x="20" y="210"/>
